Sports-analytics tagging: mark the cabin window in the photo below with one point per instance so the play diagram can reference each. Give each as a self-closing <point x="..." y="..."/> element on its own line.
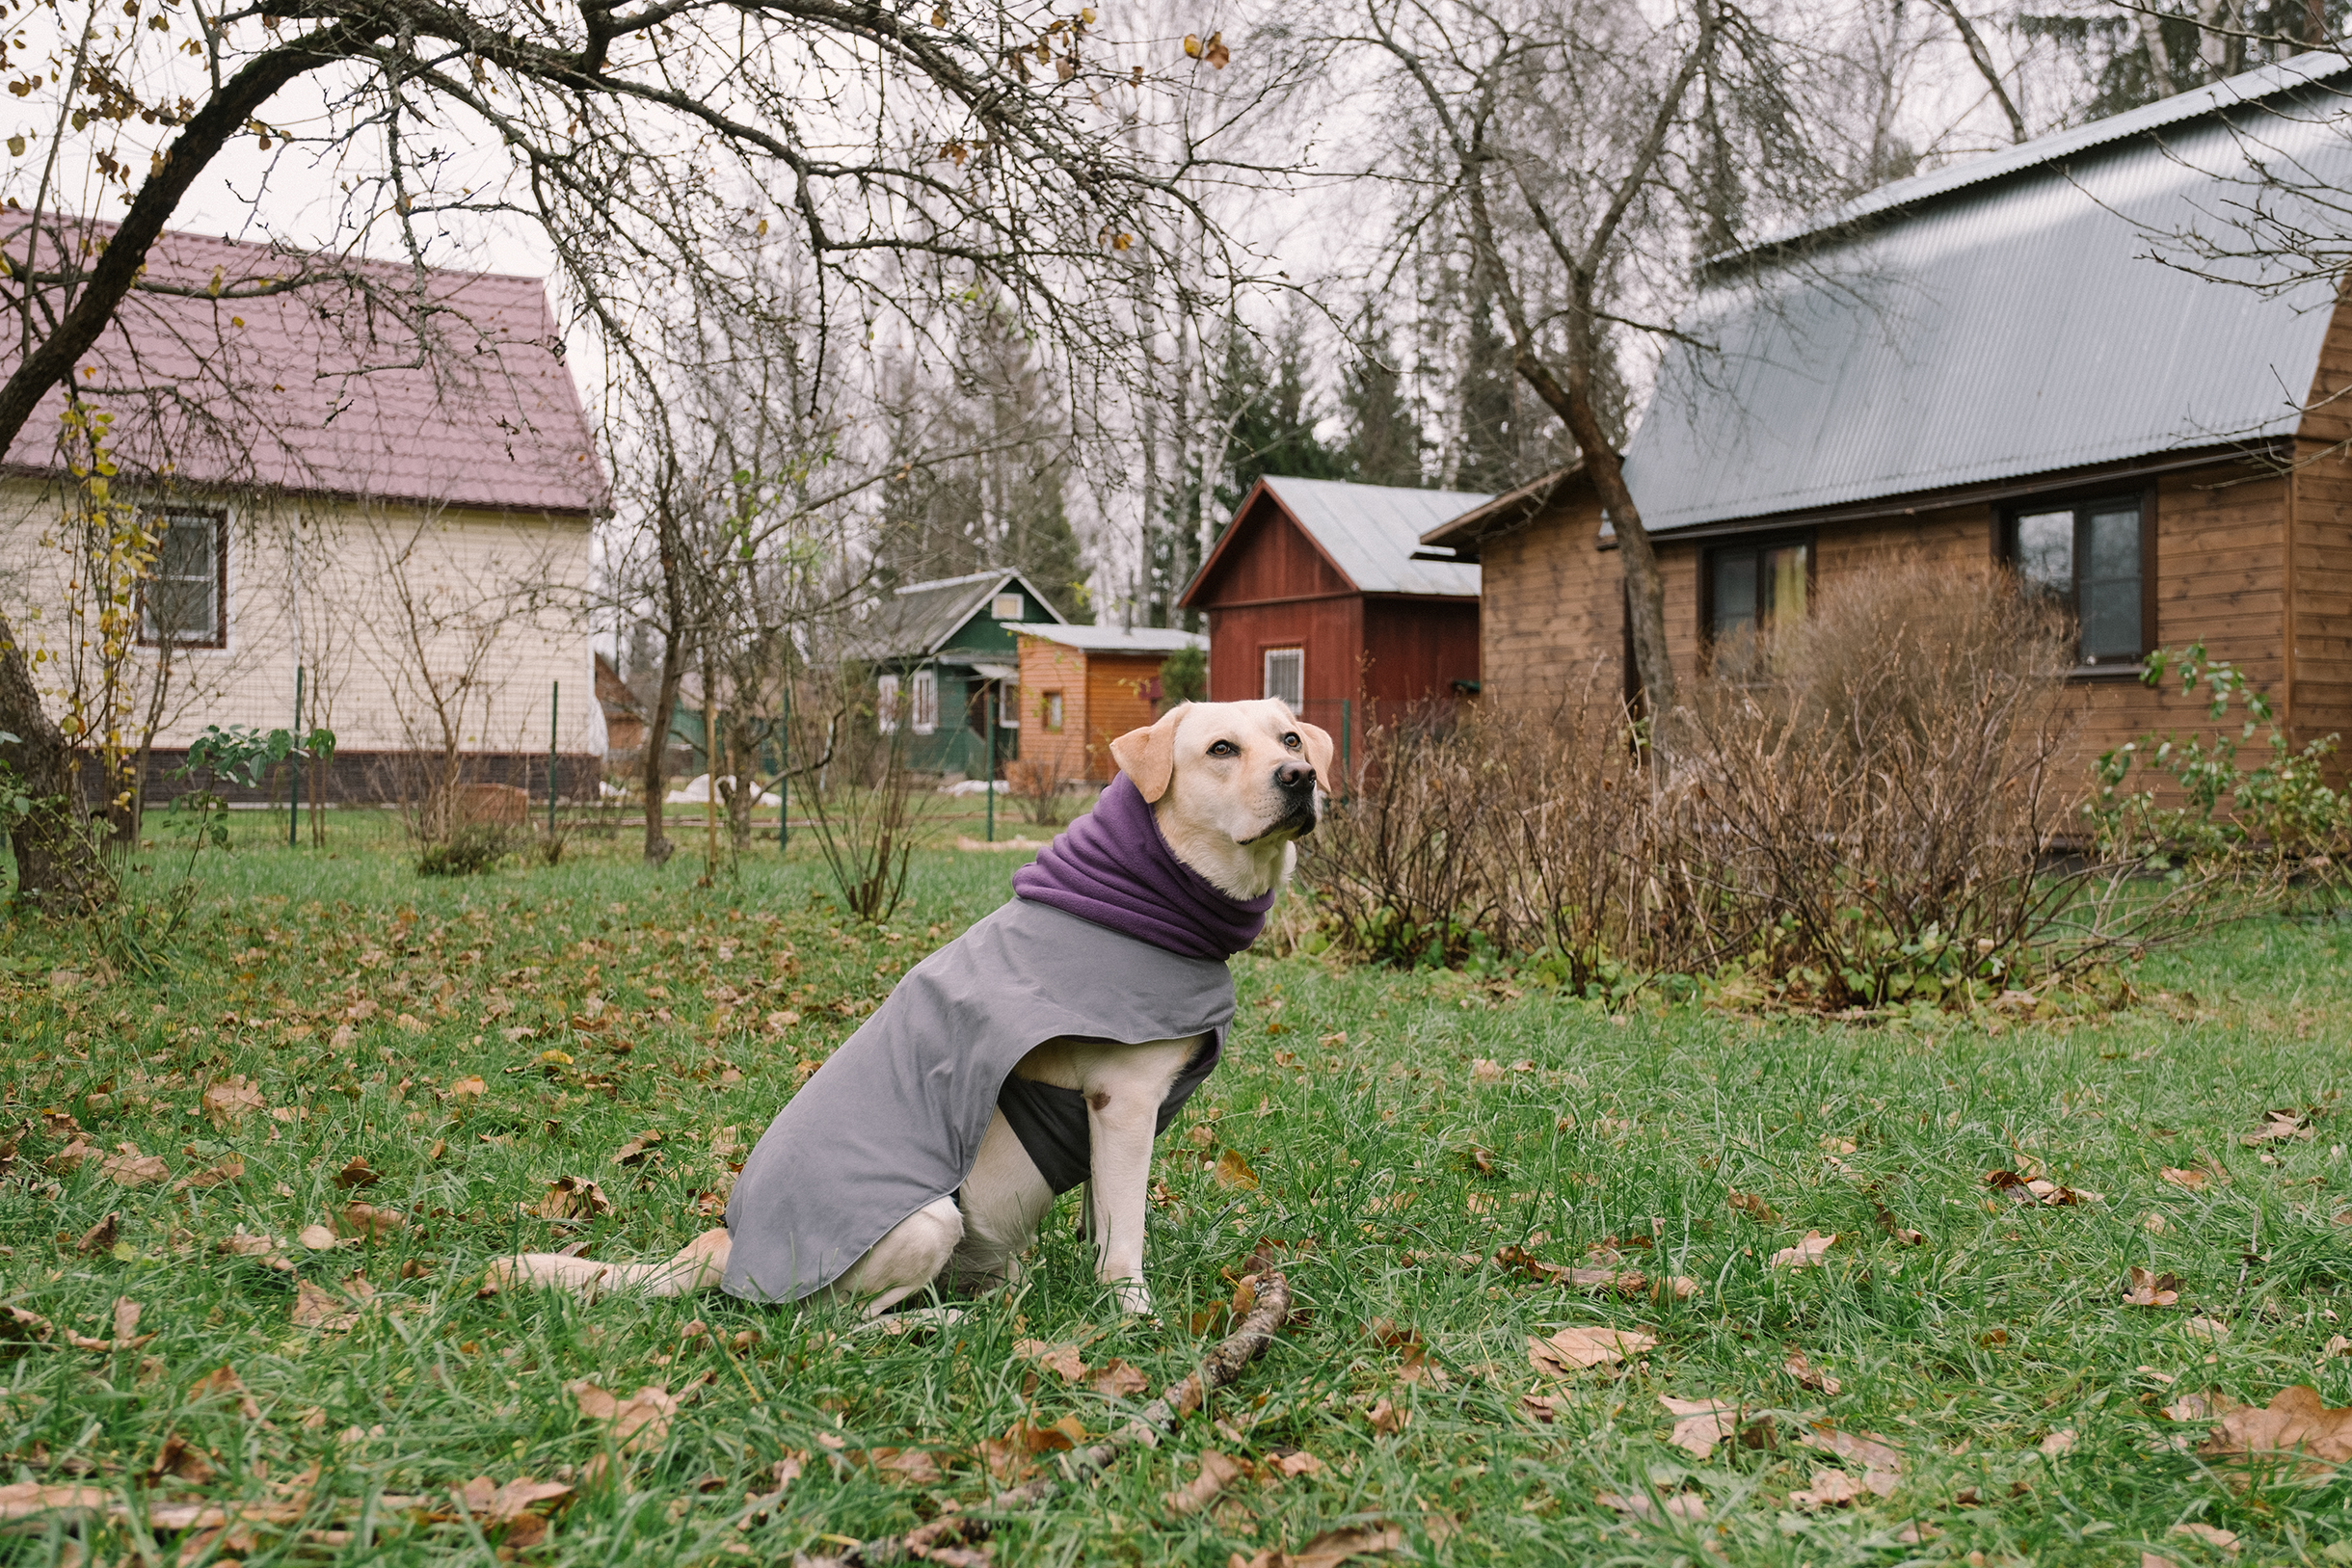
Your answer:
<point x="1286" y="676"/>
<point x="1750" y="590"/>
<point x="886" y="704"/>
<point x="2092" y="558"/>
<point x="184" y="602"/>
<point x="922" y="706"/>
<point x="1051" y="708"/>
<point x="1008" y="607"/>
<point x="1009" y="706"/>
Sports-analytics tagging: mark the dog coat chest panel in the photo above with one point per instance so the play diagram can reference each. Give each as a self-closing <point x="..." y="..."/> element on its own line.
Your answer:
<point x="895" y="1118"/>
<point x="1050" y="1121"/>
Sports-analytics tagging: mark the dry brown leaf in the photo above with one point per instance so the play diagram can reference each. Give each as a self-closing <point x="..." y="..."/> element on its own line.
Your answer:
<point x="915" y="1467"/>
<point x="1573" y="1349"/>
<point x="2210" y="1534"/>
<point x="2295" y="1425"/>
<point x="467" y="1088"/>
<point x="1386" y="1419"/>
<point x="101" y="1236"/>
<point x="69" y="1160"/>
<point x="1118" y="1381"/>
<point x="2058" y="1443"/>
<point x="2337" y="1345"/>
<point x="494" y="1505"/>
<point x="2201" y="1407"/>
<point x="127" y="1167"/>
<point x="1233" y="1170"/>
<point x="316" y="1238"/>
<point x="182" y="1460"/>
<point x="1484" y="1071"/>
<point x="26" y="1500"/>
<point x="358" y="1173"/>
<point x="2280" y="1125"/>
<point x="368" y="1221"/>
<point x="639" y="1423"/>
<point x="1834" y="1488"/>
<point x="1687" y="1505"/>
<point x="1330" y="1549"/>
<point x="636" y="1150"/>
<point x="231" y="1168"/>
<point x="2147" y="1289"/>
<point x="1805" y="1254"/>
<point x="2205" y="1328"/>
<point x="570" y="1197"/>
<point x="1700" y="1423"/>
<point x="1867" y="1450"/>
<point x="1808" y="1375"/>
<point x="1062" y="1359"/>
<point x="1296" y="1464"/>
<point x="317" y="1307"/>
<point x="1753" y="1206"/>
<point x="1216" y="1472"/>
<point x="2192" y="1179"/>
<point x="224" y="1383"/>
<point x="230" y="1100"/>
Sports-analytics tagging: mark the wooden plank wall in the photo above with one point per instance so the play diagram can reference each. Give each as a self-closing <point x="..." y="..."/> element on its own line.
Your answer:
<point x="2321" y="603"/>
<point x="1329" y="629"/>
<point x="1270" y="558"/>
<point x="1048" y="667"/>
<point x="1115" y="704"/>
<point x="1418" y="648"/>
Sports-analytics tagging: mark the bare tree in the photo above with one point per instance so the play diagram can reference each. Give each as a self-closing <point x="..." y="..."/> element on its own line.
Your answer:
<point x="1581" y="146"/>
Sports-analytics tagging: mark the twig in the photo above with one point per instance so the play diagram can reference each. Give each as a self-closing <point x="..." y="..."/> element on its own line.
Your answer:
<point x="1222" y="1366"/>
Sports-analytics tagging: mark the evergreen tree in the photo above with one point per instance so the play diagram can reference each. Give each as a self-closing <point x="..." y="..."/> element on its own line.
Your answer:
<point x="1383" y="443"/>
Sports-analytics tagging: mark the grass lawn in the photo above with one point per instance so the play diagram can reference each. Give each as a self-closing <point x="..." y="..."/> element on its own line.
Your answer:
<point x="455" y="1046"/>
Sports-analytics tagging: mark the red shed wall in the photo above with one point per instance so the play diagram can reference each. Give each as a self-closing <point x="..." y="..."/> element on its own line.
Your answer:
<point x="1418" y="648"/>
<point x="1269" y="558"/>
<point x="1329" y="629"/>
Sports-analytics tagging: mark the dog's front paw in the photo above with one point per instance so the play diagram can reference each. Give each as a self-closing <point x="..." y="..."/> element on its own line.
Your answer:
<point x="1134" y="1297"/>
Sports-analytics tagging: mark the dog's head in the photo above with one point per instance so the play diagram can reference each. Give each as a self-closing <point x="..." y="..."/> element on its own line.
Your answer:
<point x="1234" y="786"/>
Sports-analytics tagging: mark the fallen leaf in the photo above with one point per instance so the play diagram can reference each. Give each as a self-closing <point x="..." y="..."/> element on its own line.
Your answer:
<point x="231" y="1168"/>
<point x="2294" y="1425"/>
<point x="1544" y="1408"/>
<point x="1805" y="1254"/>
<point x="1753" y="1206"/>
<point x="2281" y="1123"/>
<point x="1118" y="1381"/>
<point x="2057" y="1442"/>
<point x="2205" y="1328"/>
<point x="316" y="1238"/>
<point x="1687" y="1505"/>
<point x="2200" y="1406"/>
<point x="1484" y="1071"/>
<point x="639" y="1423"/>
<point x="182" y="1460"/>
<point x="229" y="1101"/>
<point x="224" y="1383"/>
<point x="636" y="1149"/>
<point x="467" y="1088"/>
<point x="1808" y="1375"/>
<point x="495" y="1504"/>
<point x="317" y="1307"/>
<point x="2212" y="1534"/>
<point x="1834" y="1488"/>
<point x="2147" y="1289"/>
<point x="1386" y="1419"/>
<point x="1867" y="1450"/>
<point x="571" y="1196"/>
<point x="1217" y="1473"/>
<point x="100" y="1238"/>
<point x="27" y="1499"/>
<point x="357" y="1174"/>
<point x="2193" y="1180"/>
<point x="1700" y="1423"/>
<point x="2337" y="1345"/>
<point x="1573" y="1349"/>
<point x="1233" y="1170"/>
<point x="1062" y="1359"/>
<point x="1296" y="1464"/>
<point x="916" y="1467"/>
<point x="1332" y="1548"/>
<point x="361" y="1219"/>
<point x="127" y="1167"/>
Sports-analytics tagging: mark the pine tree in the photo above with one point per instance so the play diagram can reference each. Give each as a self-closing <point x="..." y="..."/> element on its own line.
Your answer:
<point x="1383" y="443"/>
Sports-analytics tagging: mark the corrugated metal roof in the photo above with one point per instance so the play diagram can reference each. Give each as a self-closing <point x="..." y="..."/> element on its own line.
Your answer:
<point x="1112" y="639"/>
<point x="2017" y="325"/>
<point x="920" y="618"/>
<point x="1371" y="531"/>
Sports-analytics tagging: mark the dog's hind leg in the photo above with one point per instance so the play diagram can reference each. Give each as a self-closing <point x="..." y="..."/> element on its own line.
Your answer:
<point x="909" y="1257"/>
<point x="1002" y="1200"/>
<point x="697" y="1266"/>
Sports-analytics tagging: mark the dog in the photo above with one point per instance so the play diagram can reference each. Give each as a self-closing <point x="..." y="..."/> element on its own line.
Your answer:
<point x="1231" y="787"/>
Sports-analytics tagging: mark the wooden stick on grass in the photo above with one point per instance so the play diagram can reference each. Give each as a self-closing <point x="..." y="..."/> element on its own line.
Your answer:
<point x="1220" y="1366"/>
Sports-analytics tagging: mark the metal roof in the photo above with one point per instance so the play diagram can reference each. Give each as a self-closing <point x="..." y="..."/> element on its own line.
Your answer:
<point x="1112" y="639"/>
<point x="1372" y="531"/>
<point x="2010" y="320"/>
<point x="920" y="618"/>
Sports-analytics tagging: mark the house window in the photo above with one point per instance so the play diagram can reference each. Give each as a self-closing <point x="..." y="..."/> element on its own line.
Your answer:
<point x="1753" y="588"/>
<point x="924" y="705"/>
<point x="2091" y="559"/>
<point x="1286" y="676"/>
<point x="886" y="704"/>
<point x="1009" y="706"/>
<point x="184" y="601"/>
<point x="1008" y="607"/>
<point x="1051" y="707"/>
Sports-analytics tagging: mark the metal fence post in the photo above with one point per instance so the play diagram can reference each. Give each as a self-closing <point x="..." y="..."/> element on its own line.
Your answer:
<point x="294" y="769"/>
<point x="555" y="692"/>
<point x="784" y="766"/>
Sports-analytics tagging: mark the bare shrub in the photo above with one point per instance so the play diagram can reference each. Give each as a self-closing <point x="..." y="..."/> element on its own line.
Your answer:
<point x="869" y="811"/>
<point x="1039" y="783"/>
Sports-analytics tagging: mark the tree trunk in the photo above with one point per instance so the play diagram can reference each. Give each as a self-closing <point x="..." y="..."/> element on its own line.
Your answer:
<point x="658" y="846"/>
<point x="58" y="869"/>
<point x="1646" y="589"/>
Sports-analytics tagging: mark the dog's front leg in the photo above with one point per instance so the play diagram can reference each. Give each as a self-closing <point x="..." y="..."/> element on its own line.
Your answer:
<point x="1119" y="1125"/>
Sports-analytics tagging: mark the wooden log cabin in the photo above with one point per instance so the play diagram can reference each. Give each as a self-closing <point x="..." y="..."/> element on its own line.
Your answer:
<point x="2013" y="361"/>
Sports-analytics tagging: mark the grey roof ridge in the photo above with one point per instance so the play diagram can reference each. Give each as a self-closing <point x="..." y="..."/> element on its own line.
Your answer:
<point x="2235" y="91"/>
<point x="955" y="582"/>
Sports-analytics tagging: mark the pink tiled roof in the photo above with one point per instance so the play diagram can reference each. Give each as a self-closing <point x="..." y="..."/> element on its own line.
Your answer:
<point x="366" y="383"/>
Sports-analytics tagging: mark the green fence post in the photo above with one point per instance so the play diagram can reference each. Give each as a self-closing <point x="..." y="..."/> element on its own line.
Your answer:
<point x="294" y="769"/>
<point x="990" y="708"/>
<point x="783" y="768"/>
<point x="555" y="691"/>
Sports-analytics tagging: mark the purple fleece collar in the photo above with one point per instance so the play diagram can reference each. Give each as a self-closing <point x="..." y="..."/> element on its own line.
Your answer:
<point x="1113" y="867"/>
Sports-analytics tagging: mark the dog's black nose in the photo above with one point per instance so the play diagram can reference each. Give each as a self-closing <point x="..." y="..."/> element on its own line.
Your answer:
<point x="1293" y="777"/>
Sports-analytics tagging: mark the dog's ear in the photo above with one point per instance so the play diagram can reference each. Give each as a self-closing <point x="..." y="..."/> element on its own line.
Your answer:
<point x="1148" y="756"/>
<point x="1318" y="752"/>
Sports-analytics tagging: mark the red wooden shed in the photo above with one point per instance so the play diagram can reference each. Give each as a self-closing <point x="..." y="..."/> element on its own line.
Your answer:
<point x="1322" y="594"/>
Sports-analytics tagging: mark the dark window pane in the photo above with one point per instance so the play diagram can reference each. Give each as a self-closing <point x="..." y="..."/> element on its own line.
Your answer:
<point x="2046" y="551"/>
<point x="1735" y="591"/>
<point x="186" y="548"/>
<point x="180" y="610"/>
<point x="2111" y="585"/>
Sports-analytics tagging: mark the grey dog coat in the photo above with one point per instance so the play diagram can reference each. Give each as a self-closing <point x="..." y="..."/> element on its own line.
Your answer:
<point x="893" y="1119"/>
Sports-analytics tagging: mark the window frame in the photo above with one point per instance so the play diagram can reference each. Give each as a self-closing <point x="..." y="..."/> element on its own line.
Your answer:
<point x="923" y="700"/>
<point x="219" y="640"/>
<point x="1756" y="544"/>
<point x="886" y="703"/>
<point x="1266" y="654"/>
<point x="997" y="610"/>
<point x="1008" y="705"/>
<point x="1050" y="712"/>
<point x="2083" y="502"/>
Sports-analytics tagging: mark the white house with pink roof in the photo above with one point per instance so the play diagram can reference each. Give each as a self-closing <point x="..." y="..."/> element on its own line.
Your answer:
<point x="377" y="480"/>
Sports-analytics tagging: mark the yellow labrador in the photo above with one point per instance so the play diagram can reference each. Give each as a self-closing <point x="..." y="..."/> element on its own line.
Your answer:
<point x="1231" y="787"/>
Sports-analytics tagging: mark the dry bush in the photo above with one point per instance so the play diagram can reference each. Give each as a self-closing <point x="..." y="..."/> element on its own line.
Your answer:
<point x="1868" y="818"/>
<point x="869" y="809"/>
<point x="1037" y="783"/>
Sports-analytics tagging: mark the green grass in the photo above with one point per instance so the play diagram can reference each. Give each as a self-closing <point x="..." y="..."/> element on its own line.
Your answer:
<point x="1965" y="1353"/>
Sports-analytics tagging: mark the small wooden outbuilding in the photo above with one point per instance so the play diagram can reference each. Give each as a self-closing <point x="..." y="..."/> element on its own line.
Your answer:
<point x="1322" y="594"/>
<point x="945" y="665"/>
<point x="1082" y="687"/>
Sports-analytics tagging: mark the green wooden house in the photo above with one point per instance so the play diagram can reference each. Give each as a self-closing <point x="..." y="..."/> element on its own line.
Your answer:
<point x="946" y="666"/>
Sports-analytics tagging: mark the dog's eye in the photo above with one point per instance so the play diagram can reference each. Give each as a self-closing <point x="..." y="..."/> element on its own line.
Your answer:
<point x="1292" y="741"/>
<point x="1223" y="747"/>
